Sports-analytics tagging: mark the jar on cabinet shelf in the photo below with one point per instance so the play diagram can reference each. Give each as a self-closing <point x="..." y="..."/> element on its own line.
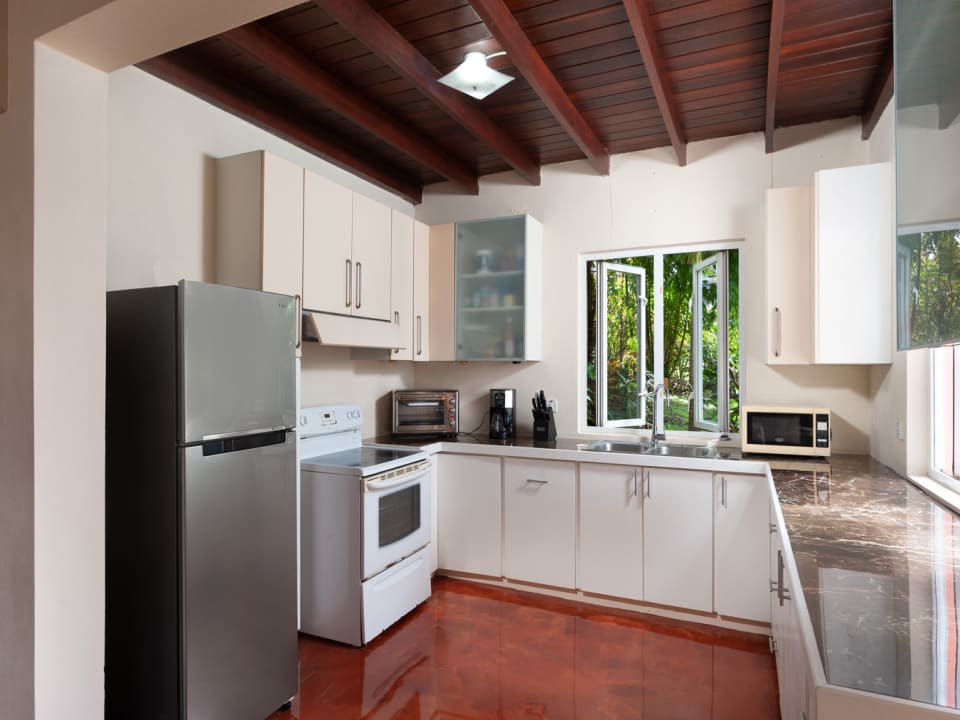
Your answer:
<point x="498" y="289"/>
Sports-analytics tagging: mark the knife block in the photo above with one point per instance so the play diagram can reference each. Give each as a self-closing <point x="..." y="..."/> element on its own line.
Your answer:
<point x="544" y="426"/>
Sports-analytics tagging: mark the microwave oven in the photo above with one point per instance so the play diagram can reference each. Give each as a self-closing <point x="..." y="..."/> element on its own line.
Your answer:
<point x="785" y="430"/>
<point x="426" y="412"/>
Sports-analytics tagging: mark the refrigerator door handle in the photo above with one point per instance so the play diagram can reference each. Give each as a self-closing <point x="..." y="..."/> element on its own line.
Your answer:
<point x="244" y="433"/>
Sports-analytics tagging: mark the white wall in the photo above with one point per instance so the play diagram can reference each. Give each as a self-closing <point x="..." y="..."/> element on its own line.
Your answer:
<point x="70" y="221"/>
<point x="649" y="201"/>
<point x="163" y="146"/>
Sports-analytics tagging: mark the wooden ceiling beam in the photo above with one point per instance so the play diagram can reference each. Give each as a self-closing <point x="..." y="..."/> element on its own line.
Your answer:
<point x="524" y="56"/>
<point x="777" y="8"/>
<point x="371" y="29"/>
<point x="286" y="62"/>
<point x="642" y="25"/>
<point x="881" y="90"/>
<point x="226" y="95"/>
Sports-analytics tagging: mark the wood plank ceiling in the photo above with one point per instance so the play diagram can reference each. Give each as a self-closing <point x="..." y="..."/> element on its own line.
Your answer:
<point x="354" y="81"/>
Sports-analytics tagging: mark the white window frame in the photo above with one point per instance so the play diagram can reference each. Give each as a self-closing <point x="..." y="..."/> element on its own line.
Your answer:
<point x="657" y="253"/>
<point x="603" y="266"/>
<point x="938" y="416"/>
<point x="723" y="339"/>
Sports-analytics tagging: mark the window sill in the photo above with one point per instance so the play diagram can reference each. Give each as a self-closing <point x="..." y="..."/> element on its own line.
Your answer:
<point x="938" y="491"/>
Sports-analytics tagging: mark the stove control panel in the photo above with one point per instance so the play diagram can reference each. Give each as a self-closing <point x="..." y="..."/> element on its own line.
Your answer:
<point x="330" y="419"/>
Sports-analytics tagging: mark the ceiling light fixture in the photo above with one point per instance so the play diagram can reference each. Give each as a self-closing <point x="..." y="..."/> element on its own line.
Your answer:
<point x="474" y="77"/>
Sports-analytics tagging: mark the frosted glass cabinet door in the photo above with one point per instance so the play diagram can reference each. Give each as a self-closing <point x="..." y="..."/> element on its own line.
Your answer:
<point x="498" y="289"/>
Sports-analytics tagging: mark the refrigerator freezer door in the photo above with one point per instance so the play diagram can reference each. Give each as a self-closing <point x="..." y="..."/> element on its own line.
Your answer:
<point x="237" y="362"/>
<point x="239" y="554"/>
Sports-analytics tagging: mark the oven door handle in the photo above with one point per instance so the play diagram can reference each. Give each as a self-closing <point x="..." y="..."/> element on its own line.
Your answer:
<point x="409" y="478"/>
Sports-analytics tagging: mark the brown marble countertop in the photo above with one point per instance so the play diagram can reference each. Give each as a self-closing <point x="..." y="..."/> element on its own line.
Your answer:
<point x="879" y="563"/>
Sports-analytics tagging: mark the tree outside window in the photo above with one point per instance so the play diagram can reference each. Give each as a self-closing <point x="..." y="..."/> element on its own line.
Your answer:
<point x="691" y="301"/>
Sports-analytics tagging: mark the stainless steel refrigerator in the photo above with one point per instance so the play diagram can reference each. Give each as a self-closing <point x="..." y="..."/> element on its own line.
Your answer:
<point x="201" y="470"/>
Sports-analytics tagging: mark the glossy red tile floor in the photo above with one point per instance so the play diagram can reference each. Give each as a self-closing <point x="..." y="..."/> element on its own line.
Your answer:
<point x="475" y="651"/>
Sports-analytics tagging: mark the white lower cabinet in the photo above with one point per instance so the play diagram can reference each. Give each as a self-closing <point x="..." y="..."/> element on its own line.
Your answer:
<point x="540" y="511"/>
<point x="797" y="693"/>
<point x="741" y="546"/>
<point x="678" y="538"/>
<point x="468" y="518"/>
<point x="611" y="531"/>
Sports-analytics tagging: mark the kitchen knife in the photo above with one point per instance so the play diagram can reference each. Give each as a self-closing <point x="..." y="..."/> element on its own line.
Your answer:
<point x="543" y="401"/>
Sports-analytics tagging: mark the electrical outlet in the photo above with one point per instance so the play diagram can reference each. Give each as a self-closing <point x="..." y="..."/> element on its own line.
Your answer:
<point x="552" y="404"/>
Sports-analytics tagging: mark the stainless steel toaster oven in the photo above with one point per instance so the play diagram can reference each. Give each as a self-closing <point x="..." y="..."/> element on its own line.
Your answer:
<point x="426" y="412"/>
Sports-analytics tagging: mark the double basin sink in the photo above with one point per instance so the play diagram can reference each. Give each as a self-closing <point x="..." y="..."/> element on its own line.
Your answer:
<point x="662" y="449"/>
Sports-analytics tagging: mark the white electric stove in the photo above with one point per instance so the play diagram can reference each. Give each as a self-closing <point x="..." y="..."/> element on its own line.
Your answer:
<point x="364" y="528"/>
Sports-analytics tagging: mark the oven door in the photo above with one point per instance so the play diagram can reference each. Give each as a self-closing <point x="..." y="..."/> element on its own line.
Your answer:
<point x="396" y="516"/>
<point x="419" y="413"/>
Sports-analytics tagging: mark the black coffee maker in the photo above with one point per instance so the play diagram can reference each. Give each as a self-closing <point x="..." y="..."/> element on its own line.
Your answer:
<point x="503" y="403"/>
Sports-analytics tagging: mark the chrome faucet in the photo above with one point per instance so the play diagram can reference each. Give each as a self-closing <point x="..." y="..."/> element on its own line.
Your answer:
<point x="656" y="437"/>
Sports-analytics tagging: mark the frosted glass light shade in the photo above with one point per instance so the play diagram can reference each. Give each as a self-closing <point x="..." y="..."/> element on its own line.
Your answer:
<point x="474" y="77"/>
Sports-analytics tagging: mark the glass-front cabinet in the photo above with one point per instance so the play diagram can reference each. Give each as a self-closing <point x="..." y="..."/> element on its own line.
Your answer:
<point x="499" y="289"/>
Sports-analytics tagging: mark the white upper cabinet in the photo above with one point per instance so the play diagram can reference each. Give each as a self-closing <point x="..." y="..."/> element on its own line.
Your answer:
<point x="829" y="269"/>
<point x="441" y="283"/>
<point x="371" y="258"/>
<point x="346" y="251"/>
<point x="327" y="245"/>
<point x="853" y="261"/>
<point x="260" y="223"/>
<point x="789" y="283"/>
<point x="402" y="283"/>
<point x="421" y="292"/>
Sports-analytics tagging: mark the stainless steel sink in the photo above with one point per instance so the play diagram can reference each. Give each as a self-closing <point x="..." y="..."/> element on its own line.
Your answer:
<point x="687" y="451"/>
<point x="621" y="446"/>
<point x="663" y="449"/>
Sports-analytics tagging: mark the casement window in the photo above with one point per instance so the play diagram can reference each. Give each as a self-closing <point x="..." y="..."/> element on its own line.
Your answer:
<point x="945" y="420"/>
<point x="663" y="317"/>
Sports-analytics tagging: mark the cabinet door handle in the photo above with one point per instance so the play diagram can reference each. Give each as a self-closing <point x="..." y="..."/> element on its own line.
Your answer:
<point x="396" y="317"/>
<point x="534" y="481"/>
<point x="776" y="331"/>
<point x="349" y="283"/>
<point x="646" y="475"/>
<point x="634" y="493"/>
<point x="359" y="285"/>
<point x="782" y="592"/>
<point x="419" y="335"/>
<point x="773" y="528"/>
<point x="723" y="492"/>
<point x="299" y="311"/>
<point x="773" y="645"/>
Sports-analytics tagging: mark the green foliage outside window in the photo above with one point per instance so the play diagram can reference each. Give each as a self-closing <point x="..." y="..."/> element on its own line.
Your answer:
<point x="623" y="345"/>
